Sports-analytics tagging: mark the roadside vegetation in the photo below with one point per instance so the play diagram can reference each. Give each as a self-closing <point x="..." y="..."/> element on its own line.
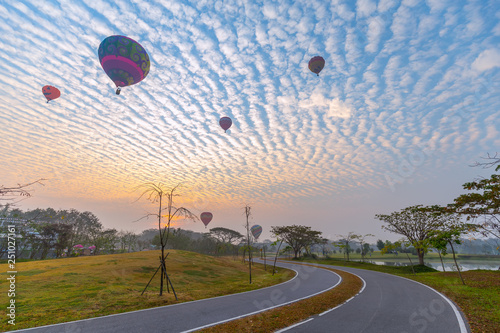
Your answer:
<point x="61" y="290"/>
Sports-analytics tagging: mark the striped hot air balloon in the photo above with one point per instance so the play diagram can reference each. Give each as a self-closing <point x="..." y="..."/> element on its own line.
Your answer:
<point x="256" y="230"/>
<point x="124" y="60"/>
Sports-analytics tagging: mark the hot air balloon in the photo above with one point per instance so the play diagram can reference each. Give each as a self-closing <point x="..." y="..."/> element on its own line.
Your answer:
<point x="206" y="217"/>
<point x="51" y="93"/>
<point x="316" y="64"/>
<point x="124" y="60"/>
<point x="256" y="230"/>
<point x="225" y="123"/>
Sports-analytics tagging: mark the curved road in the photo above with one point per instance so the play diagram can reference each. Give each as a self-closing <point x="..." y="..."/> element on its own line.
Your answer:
<point x="191" y="316"/>
<point x="388" y="303"/>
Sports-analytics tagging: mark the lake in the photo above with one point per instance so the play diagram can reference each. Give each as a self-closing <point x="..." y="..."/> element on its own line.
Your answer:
<point x="465" y="265"/>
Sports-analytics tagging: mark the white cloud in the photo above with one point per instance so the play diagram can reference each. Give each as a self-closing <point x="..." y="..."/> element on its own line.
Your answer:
<point x="486" y="60"/>
<point x="334" y="108"/>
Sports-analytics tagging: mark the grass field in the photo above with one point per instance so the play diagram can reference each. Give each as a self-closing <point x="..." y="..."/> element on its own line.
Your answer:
<point x="60" y="290"/>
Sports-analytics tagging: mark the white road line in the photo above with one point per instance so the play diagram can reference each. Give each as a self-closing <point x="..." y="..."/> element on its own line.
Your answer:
<point x="269" y="308"/>
<point x="338" y="306"/>
<point x="298" y="324"/>
<point x="461" y="323"/>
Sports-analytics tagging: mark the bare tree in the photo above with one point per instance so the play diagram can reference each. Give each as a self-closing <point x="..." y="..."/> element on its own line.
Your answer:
<point x="247" y="227"/>
<point x="491" y="161"/>
<point x="164" y="197"/>
<point x="20" y="190"/>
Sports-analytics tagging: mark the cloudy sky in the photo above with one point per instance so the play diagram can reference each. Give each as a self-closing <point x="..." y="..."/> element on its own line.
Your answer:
<point x="407" y="101"/>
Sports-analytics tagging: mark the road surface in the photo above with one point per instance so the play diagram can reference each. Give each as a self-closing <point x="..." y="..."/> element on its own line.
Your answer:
<point x="388" y="303"/>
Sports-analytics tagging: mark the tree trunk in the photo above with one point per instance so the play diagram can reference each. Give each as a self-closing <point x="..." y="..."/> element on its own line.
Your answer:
<point x="456" y="264"/>
<point x="420" y="253"/>
<point x="441" y="258"/>
<point x="276" y="257"/>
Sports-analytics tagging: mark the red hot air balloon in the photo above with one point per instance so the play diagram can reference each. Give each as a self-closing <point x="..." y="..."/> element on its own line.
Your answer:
<point x="225" y="123"/>
<point x="124" y="60"/>
<point x="51" y="93"/>
<point x="316" y="64"/>
<point x="206" y="217"/>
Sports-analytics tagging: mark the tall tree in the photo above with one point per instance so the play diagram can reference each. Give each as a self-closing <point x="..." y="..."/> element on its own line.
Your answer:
<point x="297" y="236"/>
<point x="441" y="238"/>
<point x="163" y="196"/>
<point x="225" y="235"/>
<point x="247" y="227"/>
<point x="344" y="242"/>
<point x="483" y="204"/>
<point x="380" y="244"/>
<point x="416" y="223"/>
<point x="362" y="243"/>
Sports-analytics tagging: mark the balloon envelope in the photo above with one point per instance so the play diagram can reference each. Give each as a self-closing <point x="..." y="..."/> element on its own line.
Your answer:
<point x="206" y="217"/>
<point x="316" y="64"/>
<point x="124" y="60"/>
<point x="225" y="123"/>
<point x="256" y="230"/>
<point x="50" y="93"/>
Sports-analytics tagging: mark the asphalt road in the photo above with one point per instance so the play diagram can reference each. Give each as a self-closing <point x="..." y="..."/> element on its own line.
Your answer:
<point x="191" y="316"/>
<point x="386" y="304"/>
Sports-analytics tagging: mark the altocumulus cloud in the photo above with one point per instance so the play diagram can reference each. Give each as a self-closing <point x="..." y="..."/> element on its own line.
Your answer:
<point x="398" y="74"/>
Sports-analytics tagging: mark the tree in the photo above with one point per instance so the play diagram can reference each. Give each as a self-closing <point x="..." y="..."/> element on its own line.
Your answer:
<point x="344" y="242"/>
<point x="416" y="223"/>
<point x="492" y="160"/>
<point x="20" y="190"/>
<point x="297" y="236"/>
<point x="362" y="242"/>
<point x="400" y="244"/>
<point x="485" y="205"/>
<point x="225" y="235"/>
<point x="247" y="227"/>
<point x="158" y="194"/>
<point x="441" y="238"/>
<point x="380" y="244"/>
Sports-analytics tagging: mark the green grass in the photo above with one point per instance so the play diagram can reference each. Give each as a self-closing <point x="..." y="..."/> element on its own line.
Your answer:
<point x="60" y="290"/>
<point x="479" y="299"/>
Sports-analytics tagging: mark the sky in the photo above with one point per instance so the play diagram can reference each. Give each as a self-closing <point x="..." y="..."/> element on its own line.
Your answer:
<point x="407" y="101"/>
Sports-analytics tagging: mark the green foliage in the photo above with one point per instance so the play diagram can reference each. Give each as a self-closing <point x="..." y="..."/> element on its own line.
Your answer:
<point x="484" y="203"/>
<point x="297" y="237"/>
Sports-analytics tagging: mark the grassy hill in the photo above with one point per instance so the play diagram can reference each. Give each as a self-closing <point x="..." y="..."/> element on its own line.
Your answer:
<point x="59" y="290"/>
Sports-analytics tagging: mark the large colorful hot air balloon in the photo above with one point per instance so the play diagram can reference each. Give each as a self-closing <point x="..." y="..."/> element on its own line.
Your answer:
<point x="256" y="230"/>
<point x="206" y="217"/>
<point x="316" y="64"/>
<point x="124" y="60"/>
<point x="225" y="123"/>
<point x="51" y="93"/>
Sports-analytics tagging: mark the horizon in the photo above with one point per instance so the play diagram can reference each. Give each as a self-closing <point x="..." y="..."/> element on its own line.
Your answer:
<point x="407" y="101"/>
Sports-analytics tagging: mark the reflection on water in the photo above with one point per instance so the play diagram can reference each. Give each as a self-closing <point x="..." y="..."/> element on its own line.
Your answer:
<point x="448" y="266"/>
